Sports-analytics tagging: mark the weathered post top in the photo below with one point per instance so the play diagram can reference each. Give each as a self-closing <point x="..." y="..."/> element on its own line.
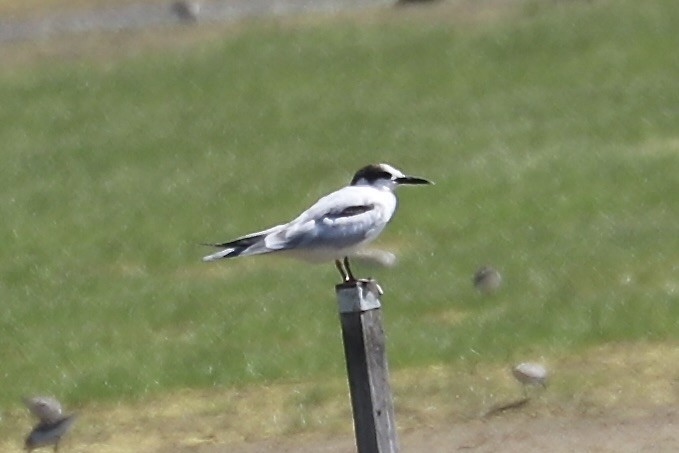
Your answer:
<point x="358" y="296"/>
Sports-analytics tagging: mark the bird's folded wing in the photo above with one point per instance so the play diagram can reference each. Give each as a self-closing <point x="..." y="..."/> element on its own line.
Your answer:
<point x="338" y="227"/>
<point x="346" y="201"/>
<point x="350" y="211"/>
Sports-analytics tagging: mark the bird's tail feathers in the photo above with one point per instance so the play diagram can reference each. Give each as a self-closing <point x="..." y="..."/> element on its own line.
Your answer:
<point x="234" y="248"/>
<point x="226" y="253"/>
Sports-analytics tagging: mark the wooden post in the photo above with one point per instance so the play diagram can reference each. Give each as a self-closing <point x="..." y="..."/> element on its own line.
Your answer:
<point x="364" y="350"/>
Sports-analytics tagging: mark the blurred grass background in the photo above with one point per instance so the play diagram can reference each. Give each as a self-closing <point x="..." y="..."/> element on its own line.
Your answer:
<point x="27" y="8"/>
<point x="550" y="130"/>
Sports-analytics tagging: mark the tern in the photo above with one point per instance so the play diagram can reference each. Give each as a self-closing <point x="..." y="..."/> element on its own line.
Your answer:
<point x="52" y="425"/>
<point x="336" y="227"/>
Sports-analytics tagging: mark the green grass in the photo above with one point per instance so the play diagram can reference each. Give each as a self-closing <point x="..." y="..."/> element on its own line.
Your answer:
<point x="552" y="138"/>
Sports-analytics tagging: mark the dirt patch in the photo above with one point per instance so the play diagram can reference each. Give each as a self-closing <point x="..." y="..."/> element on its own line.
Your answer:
<point x="523" y="432"/>
<point x="621" y="397"/>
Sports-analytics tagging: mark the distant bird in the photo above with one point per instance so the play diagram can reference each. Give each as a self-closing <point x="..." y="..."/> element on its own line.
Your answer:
<point x="45" y="408"/>
<point x="529" y="373"/>
<point x="186" y="10"/>
<point x="52" y="423"/>
<point x="487" y="280"/>
<point x="414" y="2"/>
<point x="336" y="227"/>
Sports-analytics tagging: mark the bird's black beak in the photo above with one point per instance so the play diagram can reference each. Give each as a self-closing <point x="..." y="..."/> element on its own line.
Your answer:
<point x="412" y="180"/>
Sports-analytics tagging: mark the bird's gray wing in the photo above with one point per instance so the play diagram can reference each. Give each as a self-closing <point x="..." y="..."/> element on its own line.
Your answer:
<point x="341" y="219"/>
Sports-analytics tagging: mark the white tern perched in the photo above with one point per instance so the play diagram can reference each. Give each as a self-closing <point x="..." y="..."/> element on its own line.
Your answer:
<point x="336" y="227"/>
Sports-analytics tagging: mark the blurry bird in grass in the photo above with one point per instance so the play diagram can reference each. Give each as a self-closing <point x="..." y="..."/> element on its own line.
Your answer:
<point x="530" y="374"/>
<point x="336" y="227"/>
<point x="487" y="280"/>
<point x="52" y="425"/>
<point x="186" y="10"/>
